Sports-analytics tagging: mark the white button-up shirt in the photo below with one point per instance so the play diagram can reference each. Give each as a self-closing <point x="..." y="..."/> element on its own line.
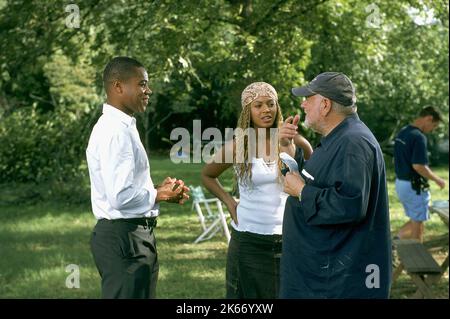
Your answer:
<point x="121" y="186"/>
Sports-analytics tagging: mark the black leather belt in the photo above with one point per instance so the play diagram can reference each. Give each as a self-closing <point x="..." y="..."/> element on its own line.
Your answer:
<point x="149" y="222"/>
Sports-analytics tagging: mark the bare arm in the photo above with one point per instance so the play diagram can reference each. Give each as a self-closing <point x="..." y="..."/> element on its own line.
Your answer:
<point x="304" y="144"/>
<point x="289" y="148"/>
<point x="426" y="172"/>
<point x="210" y="174"/>
<point x="287" y="133"/>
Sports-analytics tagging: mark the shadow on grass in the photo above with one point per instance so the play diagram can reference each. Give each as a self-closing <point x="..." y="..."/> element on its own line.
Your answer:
<point x="193" y="271"/>
<point x="33" y="264"/>
<point x="404" y="288"/>
<point x="38" y="243"/>
<point x="39" y="239"/>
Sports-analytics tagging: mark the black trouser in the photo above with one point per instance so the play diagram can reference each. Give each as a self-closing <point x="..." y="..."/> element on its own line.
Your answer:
<point x="253" y="266"/>
<point x="126" y="258"/>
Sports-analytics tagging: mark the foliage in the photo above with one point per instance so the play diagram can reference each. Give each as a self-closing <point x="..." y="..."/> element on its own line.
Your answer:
<point x="39" y="147"/>
<point x="201" y="54"/>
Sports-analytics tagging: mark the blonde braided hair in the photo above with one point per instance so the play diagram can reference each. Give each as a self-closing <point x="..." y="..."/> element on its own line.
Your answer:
<point x="244" y="168"/>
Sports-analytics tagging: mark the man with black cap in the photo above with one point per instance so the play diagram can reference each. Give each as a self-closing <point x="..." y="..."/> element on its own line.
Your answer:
<point x="336" y="232"/>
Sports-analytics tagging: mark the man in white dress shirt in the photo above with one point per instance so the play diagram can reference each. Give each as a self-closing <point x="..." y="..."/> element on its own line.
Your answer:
<point x="124" y="199"/>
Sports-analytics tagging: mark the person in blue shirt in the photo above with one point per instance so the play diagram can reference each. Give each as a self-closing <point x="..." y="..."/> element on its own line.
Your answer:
<point x="412" y="172"/>
<point x="336" y="226"/>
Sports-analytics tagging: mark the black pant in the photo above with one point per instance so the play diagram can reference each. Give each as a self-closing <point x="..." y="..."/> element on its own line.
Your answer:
<point x="253" y="266"/>
<point x="126" y="258"/>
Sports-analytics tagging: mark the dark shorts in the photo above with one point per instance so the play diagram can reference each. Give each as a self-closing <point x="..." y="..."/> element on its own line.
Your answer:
<point x="253" y="266"/>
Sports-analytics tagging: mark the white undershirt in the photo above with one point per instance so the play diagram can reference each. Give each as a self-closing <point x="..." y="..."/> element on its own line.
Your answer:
<point x="261" y="204"/>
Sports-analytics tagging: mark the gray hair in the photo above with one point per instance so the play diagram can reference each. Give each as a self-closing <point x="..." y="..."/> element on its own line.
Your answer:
<point x="344" y="110"/>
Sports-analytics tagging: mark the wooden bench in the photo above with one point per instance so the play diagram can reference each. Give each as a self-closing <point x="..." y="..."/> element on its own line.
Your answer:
<point x="419" y="265"/>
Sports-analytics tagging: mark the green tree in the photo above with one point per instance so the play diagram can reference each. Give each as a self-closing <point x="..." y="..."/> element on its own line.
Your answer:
<point x="201" y="54"/>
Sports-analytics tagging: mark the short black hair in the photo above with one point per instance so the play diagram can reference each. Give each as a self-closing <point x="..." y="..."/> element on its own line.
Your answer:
<point x="430" y="110"/>
<point x="121" y="68"/>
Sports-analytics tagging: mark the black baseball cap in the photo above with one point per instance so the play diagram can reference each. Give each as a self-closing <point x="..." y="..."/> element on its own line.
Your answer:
<point x="333" y="85"/>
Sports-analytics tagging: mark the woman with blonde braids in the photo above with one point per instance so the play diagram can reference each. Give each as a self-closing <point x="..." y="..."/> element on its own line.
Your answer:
<point x="254" y="251"/>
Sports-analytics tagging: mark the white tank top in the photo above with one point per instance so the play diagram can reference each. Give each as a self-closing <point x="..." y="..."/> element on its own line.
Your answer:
<point x="261" y="204"/>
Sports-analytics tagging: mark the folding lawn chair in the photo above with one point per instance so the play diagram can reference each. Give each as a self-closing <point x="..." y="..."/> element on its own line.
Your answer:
<point x="210" y="214"/>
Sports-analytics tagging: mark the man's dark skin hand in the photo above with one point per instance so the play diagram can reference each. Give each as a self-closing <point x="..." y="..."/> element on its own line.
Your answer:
<point x="172" y="191"/>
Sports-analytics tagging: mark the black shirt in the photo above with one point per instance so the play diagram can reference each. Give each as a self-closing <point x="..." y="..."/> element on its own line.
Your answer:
<point x="336" y="241"/>
<point x="410" y="148"/>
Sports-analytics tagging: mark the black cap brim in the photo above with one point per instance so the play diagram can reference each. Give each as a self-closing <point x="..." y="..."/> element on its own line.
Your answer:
<point x="302" y="91"/>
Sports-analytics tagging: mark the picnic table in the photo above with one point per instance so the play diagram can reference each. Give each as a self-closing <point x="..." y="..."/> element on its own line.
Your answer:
<point x="440" y="208"/>
<point x="418" y="262"/>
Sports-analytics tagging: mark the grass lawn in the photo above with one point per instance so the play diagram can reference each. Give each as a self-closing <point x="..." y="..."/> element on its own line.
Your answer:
<point x="40" y="238"/>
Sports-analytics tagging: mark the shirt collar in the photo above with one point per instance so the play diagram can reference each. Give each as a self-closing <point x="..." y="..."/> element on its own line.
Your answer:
<point x="334" y="134"/>
<point x="415" y="128"/>
<point x="118" y="114"/>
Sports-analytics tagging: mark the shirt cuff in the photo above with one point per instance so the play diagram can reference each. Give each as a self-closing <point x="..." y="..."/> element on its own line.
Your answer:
<point x="152" y="198"/>
<point x="308" y="202"/>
